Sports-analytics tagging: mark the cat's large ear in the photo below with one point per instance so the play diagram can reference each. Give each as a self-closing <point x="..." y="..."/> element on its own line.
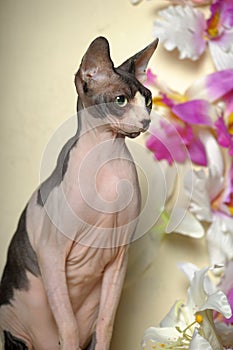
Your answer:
<point x="96" y="62"/>
<point x="137" y="64"/>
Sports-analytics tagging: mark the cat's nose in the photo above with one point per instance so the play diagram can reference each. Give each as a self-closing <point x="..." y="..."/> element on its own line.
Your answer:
<point x="145" y="123"/>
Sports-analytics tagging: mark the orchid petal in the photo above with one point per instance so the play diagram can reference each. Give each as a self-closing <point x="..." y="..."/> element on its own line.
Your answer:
<point x="212" y="87"/>
<point x="200" y="204"/>
<point x="220" y="239"/>
<point x="199" y="343"/>
<point x="223" y="136"/>
<point x="189" y="24"/>
<point x="228" y="100"/>
<point x="166" y="143"/>
<point x="213" y="152"/>
<point x="227" y="280"/>
<point x="222" y="59"/>
<point x="219" y="84"/>
<point x="197" y="152"/>
<point x="195" y="112"/>
<point x="222" y="131"/>
<point x="190" y="2"/>
<point x="151" y="77"/>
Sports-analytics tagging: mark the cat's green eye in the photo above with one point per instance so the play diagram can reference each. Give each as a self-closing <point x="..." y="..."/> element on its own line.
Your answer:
<point x="121" y="101"/>
<point x="148" y="101"/>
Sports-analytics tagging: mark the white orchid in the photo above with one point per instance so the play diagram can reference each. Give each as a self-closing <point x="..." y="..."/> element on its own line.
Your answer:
<point x="187" y="29"/>
<point x="191" y="326"/>
<point x="197" y="127"/>
<point x="211" y="200"/>
<point x="181" y="2"/>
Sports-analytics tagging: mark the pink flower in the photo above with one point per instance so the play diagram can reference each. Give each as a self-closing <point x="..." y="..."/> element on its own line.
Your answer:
<point x="151" y="77"/>
<point x="175" y="142"/>
<point x="225" y="139"/>
<point x="177" y="137"/>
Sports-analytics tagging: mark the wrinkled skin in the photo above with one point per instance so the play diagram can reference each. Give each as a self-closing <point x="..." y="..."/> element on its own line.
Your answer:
<point x="67" y="260"/>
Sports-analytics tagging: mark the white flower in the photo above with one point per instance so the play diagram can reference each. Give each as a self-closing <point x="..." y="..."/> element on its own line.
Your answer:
<point x="191" y="326"/>
<point x="187" y="29"/>
<point x="212" y="186"/>
<point x="181" y="27"/>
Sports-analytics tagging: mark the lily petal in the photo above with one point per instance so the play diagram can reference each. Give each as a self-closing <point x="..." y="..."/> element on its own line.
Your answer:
<point x="226" y="334"/>
<point x="218" y="301"/>
<point x="161" y="335"/>
<point x="196" y="289"/>
<point x="199" y="343"/>
<point x="188" y="226"/>
<point x="189" y="24"/>
<point x="174" y="317"/>
<point x="189" y="269"/>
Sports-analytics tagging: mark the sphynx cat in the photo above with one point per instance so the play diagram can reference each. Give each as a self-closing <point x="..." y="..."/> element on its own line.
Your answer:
<point x="66" y="262"/>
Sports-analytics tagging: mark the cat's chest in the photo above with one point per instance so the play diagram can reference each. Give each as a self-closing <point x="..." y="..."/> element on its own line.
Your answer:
<point x="104" y="199"/>
<point x="101" y="174"/>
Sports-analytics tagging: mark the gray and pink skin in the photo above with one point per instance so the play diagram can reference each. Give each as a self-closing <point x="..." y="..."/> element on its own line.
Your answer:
<point x="66" y="262"/>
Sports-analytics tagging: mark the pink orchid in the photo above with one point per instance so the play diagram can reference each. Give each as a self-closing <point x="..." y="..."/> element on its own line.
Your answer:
<point x="174" y="142"/>
<point x="177" y="138"/>
<point x="224" y="124"/>
<point x="193" y="32"/>
<point x="197" y="126"/>
<point x="225" y="139"/>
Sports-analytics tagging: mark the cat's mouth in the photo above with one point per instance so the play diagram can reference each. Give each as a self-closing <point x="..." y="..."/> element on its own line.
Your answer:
<point x="130" y="134"/>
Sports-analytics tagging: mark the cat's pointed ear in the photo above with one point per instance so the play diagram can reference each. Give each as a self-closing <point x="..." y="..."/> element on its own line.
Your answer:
<point x="137" y="64"/>
<point x="96" y="62"/>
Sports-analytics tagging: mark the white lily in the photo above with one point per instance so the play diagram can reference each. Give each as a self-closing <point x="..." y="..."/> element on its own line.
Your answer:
<point x="191" y="326"/>
<point x="225" y="326"/>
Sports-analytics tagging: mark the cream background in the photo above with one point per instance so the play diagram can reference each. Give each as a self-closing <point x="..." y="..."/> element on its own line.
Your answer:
<point x="41" y="45"/>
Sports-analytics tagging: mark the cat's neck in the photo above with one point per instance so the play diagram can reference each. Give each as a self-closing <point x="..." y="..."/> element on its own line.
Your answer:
<point x="93" y="128"/>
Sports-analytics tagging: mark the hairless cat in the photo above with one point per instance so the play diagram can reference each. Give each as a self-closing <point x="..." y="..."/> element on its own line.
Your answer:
<point x="66" y="262"/>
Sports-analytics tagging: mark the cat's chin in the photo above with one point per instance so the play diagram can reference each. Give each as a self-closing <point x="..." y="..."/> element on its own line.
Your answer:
<point x="131" y="135"/>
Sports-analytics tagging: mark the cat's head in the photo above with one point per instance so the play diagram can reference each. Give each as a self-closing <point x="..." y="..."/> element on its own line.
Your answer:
<point x="117" y="95"/>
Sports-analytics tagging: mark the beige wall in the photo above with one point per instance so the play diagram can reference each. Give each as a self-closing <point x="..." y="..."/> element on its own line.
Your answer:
<point x="42" y="43"/>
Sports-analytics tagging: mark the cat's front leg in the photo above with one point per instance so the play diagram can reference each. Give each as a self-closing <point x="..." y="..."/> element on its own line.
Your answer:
<point x="52" y="250"/>
<point x="110" y="294"/>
